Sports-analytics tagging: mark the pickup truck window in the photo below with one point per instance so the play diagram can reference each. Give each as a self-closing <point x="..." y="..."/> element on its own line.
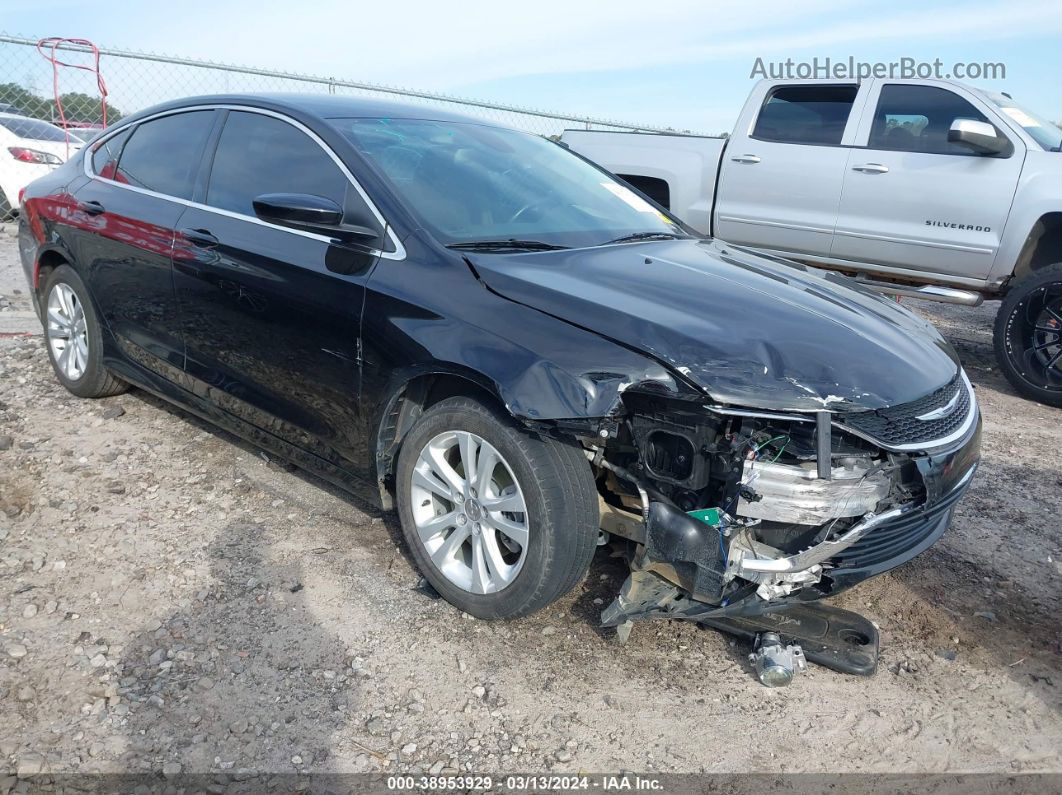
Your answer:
<point x="1044" y="132"/>
<point x="805" y="114"/>
<point x="911" y="118"/>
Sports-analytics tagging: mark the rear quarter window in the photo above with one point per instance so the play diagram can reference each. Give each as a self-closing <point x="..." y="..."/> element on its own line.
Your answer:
<point x="105" y="155"/>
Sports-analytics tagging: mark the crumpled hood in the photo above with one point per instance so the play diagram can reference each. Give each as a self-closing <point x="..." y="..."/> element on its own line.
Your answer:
<point x="750" y="330"/>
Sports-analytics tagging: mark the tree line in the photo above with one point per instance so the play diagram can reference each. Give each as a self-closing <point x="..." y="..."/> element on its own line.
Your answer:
<point x="77" y="107"/>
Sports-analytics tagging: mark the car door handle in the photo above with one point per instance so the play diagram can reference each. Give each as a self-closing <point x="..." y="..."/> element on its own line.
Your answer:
<point x="90" y="207"/>
<point x="745" y="159"/>
<point x="871" y="168"/>
<point x="199" y="237"/>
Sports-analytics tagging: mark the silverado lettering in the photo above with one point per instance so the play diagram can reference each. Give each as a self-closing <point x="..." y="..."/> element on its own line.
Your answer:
<point x="951" y="225"/>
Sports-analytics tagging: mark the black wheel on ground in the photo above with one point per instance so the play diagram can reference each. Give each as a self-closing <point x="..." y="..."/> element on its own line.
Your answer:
<point x="74" y="338"/>
<point x="1028" y="335"/>
<point x="6" y="213"/>
<point x="499" y="521"/>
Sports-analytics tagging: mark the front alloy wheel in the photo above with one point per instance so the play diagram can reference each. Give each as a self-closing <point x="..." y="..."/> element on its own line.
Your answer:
<point x="500" y="521"/>
<point x="470" y="512"/>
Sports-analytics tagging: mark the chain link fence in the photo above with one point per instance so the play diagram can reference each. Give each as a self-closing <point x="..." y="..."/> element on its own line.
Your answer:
<point x="137" y="80"/>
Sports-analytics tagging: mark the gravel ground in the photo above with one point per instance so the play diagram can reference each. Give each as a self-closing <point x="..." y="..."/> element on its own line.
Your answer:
<point x="173" y="600"/>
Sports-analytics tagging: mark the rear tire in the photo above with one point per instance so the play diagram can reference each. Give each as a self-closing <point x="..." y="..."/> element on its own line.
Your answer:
<point x="6" y="213"/>
<point x="529" y="557"/>
<point x="73" y="336"/>
<point x="1028" y="335"/>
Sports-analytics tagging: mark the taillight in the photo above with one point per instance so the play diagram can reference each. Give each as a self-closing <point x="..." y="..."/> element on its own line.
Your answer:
<point x="21" y="195"/>
<point x="34" y="156"/>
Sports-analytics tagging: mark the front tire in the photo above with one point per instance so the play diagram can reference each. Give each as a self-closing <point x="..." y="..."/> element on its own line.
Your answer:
<point x="508" y="540"/>
<point x="1028" y="335"/>
<point x="74" y="338"/>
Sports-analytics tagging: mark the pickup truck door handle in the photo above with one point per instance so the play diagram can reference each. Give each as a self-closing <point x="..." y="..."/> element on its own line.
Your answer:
<point x="92" y="208"/>
<point x="871" y="168"/>
<point x="199" y="237"/>
<point x="745" y="159"/>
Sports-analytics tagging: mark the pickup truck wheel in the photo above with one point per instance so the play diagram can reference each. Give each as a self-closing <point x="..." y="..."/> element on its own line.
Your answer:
<point x="499" y="521"/>
<point x="1028" y="335"/>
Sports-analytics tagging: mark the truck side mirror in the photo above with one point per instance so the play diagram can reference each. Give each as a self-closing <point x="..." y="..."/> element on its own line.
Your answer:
<point x="979" y="136"/>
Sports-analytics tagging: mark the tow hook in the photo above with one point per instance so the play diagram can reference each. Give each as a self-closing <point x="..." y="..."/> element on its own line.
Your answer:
<point x="775" y="664"/>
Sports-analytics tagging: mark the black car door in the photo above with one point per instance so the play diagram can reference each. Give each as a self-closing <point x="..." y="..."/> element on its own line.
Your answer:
<point x="271" y="315"/>
<point x="126" y="216"/>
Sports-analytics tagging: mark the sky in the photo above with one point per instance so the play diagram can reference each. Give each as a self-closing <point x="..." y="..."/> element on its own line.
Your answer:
<point x="678" y="64"/>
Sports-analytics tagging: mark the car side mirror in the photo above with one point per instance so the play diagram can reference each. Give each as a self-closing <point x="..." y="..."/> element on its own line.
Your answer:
<point x="980" y="137"/>
<point x="310" y="213"/>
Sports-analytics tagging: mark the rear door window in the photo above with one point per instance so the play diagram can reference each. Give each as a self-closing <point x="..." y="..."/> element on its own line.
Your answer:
<point x="163" y="155"/>
<point x="805" y="114"/>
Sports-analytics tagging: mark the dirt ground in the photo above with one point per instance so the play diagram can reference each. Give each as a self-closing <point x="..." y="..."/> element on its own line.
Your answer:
<point x="173" y="600"/>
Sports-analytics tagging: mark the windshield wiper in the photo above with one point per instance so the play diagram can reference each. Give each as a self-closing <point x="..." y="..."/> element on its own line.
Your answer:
<point x="494" y="245"/>
<point x="646" y="236"/>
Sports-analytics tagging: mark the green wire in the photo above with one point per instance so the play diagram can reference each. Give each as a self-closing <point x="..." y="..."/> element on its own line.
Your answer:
<point x="775" y="439"/>
<point x="781" y="450"/>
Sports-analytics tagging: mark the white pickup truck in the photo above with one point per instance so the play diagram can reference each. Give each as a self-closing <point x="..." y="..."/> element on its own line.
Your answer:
<point x="923" y="188"/>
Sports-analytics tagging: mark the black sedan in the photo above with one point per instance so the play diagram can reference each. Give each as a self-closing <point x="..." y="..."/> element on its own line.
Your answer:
<point x="516" y="350"/>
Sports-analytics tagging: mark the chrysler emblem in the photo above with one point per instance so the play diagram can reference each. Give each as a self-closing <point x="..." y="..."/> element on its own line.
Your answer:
<point x="943" y="411"/>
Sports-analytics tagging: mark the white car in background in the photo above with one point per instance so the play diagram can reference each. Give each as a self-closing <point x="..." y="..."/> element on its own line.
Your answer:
<point x="29" y="148"/>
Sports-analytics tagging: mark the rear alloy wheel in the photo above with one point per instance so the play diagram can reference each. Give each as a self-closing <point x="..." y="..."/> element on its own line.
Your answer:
<point x="1028" y="335"/>
<point x="74" y="338"/>
<point x="67" y="336"/>
<point x="499" y="521"/>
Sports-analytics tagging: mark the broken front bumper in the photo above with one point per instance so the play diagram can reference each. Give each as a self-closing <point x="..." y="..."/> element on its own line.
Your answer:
<point x="686" y="555"/>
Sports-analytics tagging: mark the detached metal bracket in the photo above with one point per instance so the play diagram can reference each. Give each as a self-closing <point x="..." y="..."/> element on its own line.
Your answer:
<point x="824" y="444"/>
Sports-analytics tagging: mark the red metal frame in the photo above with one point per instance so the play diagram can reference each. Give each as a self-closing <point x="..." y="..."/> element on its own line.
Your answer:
<point x="52" y="45"/>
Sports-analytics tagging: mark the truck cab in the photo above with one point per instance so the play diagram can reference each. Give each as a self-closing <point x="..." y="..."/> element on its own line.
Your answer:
<point x="926" y="188"/>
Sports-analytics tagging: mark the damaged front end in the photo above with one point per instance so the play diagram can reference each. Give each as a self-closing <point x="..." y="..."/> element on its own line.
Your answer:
<point x="731" y="512"/>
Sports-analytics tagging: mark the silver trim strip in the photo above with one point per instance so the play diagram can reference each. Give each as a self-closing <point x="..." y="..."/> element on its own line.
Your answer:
<point x="767" y="415"/>
<point x="852" y="266"/>
<point x="737" y="219"/>
<point x="398" y="254"/>
<point x="837" y="421"/>
<point x="929" y="444"/>
<point x="911" y="241"/>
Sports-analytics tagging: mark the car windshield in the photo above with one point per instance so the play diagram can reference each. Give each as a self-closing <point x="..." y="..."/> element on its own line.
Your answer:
<point x="471" y="183"/>
<point x="1046" y="133"/>
<point x="36" y="130"/>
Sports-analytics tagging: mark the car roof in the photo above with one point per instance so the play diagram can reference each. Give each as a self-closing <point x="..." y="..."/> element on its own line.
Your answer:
<point x="325" y="106"/>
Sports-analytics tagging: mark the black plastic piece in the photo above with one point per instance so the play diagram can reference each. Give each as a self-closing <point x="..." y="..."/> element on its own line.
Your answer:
<point x="834" y="638"/>
<point x="670" y="444"/>
<point x="689" y="545"/>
